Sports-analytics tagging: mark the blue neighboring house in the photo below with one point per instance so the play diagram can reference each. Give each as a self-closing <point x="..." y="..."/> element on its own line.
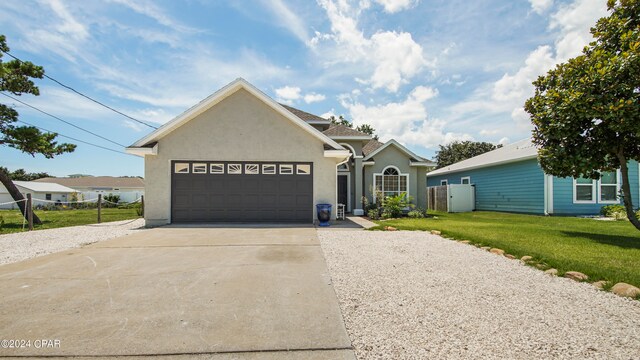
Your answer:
<point x="510" y="179"/>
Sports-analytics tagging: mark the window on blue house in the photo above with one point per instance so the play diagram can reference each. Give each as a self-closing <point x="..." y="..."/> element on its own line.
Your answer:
<point x="584" y="190"/>
<point x="609" y="187"/>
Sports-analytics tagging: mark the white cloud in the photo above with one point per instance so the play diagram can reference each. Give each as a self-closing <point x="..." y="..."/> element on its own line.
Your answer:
<point x="574" y="21"/>
<point x="393" y="6"/>
<point x="288" y="19"/>
<point x="313" y="97"/>
<point x="149" y="9"/>
<point x="406" y="121"/>
<point x="388" y="58"/>
<point x="506" y="96"/>
<point x="70" y="26"/>
<point x="288" y="94"/>
<point x="540" y="6"/>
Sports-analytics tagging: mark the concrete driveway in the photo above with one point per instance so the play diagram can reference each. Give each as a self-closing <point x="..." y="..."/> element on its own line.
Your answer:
<point x="223" y="293"/>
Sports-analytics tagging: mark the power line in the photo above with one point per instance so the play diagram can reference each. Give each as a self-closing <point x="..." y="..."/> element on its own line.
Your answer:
<point x="78" y="140"/>
<point x="64" y="121"/>
<point x="88" y="97"/>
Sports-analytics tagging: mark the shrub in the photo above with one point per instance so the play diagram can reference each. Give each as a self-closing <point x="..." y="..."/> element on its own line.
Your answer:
<point x="416" y="214"/>
<point x="112" y="198"/>
<point x="610" y="210"/>
<point x="373" y="214"/>
<point x="392" y="206"/>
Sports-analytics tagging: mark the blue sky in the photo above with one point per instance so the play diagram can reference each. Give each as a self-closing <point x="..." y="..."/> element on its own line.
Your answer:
<point x="422" y="72"/>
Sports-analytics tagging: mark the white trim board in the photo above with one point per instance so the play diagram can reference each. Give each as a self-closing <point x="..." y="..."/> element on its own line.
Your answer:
<point x="399" y="146"/>
<point x="217" y="97"/>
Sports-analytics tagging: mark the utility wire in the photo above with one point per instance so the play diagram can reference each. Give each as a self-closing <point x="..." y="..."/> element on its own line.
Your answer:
<point x="88" y="97"/>
<point x="64" y="121"/>
<point x="78" y="140"/>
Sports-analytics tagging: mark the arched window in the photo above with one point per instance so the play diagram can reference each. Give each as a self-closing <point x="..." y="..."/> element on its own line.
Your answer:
<point x="343" y="167"/>
<point x="391" y="182"/>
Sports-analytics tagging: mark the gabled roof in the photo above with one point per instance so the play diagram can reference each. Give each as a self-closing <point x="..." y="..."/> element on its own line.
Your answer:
<point x="343" y="131"/>
<point x="44" y="187"/>
<point x="397" y="145"/>
<point x="217" y="97"/>
<point x="97" y="181"/>
<point x="372" y="145"/>
<point x="517" y="151"/>
<point x="308" y="117"/>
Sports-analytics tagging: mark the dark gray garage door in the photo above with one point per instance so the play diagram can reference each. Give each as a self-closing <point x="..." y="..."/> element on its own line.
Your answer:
<point x="228" y="191"/>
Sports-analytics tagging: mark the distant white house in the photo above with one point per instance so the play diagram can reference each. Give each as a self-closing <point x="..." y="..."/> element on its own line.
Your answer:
<point x="43" y="193"/>
<point x="88" y="187"/>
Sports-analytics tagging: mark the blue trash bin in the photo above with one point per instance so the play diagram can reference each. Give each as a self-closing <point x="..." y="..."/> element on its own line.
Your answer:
<point x="324" y="214"/>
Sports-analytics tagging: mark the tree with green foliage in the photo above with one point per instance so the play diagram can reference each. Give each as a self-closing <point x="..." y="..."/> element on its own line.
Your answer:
<point x="586" y="111"/>
<point x="461" y="150"/>
<point x="15" y="78"/>
<point x="340" y="120"/>
<point x="22" y="175"/>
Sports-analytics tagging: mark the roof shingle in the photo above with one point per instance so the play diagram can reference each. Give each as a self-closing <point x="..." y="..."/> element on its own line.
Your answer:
<point x="342" y="130"/>
<point x="304" y="115"/>
<point x="97" y="181"/>
<point x="371" y="146"/>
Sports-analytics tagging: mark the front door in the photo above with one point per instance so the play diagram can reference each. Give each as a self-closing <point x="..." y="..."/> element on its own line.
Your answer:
<point x="343" y="185"/>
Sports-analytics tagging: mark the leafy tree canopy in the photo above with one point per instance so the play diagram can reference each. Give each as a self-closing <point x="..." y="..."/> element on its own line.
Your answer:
<point x="586" y="111"/>
<point x="461" y="150"/>
<point x="22" y="175"/>
<point x="15" y="78"/>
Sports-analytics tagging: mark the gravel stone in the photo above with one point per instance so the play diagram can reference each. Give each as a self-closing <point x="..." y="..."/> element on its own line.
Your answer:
<point x="576" y="275"/>
<point x="29" y="244"/>
<point x="624" y="289"/>
<point x="412" y="295"/>
<point x="553" y="272"/>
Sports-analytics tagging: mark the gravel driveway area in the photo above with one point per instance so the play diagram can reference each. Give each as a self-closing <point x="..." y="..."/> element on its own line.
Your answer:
<point x="29" y="244"/>
<point x="413" y="295"/>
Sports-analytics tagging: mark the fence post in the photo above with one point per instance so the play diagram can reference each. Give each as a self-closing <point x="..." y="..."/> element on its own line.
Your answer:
<point x="29" y="211"/>
<point x="142" y="204"/>
<point x="99" y="207"/>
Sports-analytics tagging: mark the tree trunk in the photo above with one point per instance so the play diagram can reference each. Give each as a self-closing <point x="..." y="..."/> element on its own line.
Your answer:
<point x="17" y="196"/>
<point x="626" y="190"/>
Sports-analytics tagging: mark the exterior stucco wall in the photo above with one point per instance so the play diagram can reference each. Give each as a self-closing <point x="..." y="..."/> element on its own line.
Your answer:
<point x="392" y="156"/>
<point x="357" y="147"/>
<point x="239" y="128"/>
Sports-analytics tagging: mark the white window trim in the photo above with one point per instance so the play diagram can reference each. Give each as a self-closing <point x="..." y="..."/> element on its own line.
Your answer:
<point x="193" y="168"/>
<point x="594" y="193"/>
<point x="468" y="178"/>
<point x="382" y="174"/>
<point x="275" y="169"/>
<point x="298" y="172"/>
<point x="617" y="200"/>
<point x="444" y="182"/>
<point x="281" y="166"/>
<point x="216" y="172"/>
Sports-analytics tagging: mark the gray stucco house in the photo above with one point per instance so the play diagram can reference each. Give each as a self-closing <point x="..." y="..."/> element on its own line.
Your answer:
<point x="240" y="156"/>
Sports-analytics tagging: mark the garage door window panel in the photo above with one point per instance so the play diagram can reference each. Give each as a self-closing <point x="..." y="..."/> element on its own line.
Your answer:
<point x="181" y="168"/>
<point x="234" y="169"/>
<point x="216" y="169"/>
<point x="286" y="169"/>
<point x="269" y="169"/>
<point x="199" y="168"/>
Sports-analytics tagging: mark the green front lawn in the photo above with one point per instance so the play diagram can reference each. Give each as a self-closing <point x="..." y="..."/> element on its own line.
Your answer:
<point x="604" y="250"/>
<point x="61" y="218"/>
